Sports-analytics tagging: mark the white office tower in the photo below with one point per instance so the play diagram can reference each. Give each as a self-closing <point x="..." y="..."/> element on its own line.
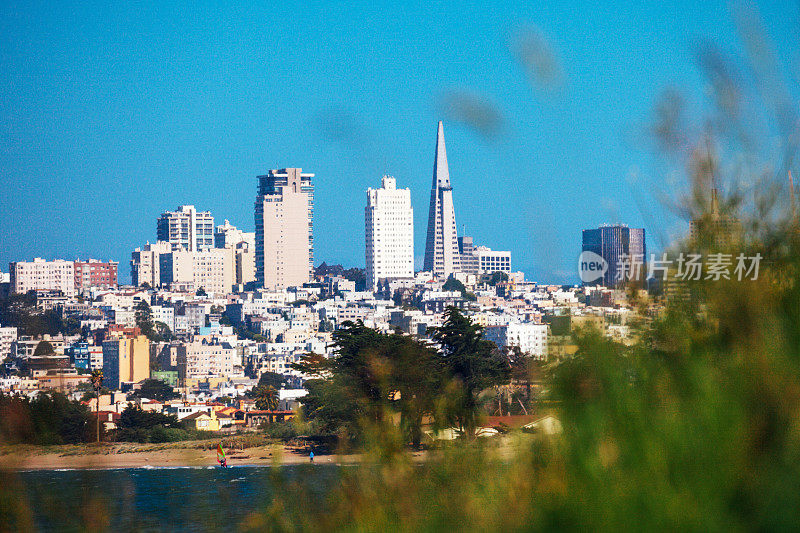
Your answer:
<point x="389" y="233"/>
<point x="441" y="247"/>
<point x="186" y="229"/>
<point x="284" y="215"/>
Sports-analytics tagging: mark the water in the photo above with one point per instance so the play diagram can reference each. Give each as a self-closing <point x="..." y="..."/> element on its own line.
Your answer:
<point x="158" y="499"/>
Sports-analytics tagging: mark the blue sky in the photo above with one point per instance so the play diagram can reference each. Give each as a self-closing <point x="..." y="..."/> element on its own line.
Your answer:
<point x="111" y="114"/>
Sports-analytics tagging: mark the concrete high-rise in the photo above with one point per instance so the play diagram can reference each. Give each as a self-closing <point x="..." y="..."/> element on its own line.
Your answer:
<point x="441" y="247"/>
<point x="126" y="358"/>
<point x="243" y="247"/>
<point x="614" y="243"/>
<point x="284" y="215"/>
<point x="145" y="263"/>
<point x="389" y="233"/>
<point x="186" y="229"/>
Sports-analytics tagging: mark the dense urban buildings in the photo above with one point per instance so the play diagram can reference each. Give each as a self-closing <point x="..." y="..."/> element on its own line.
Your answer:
<point x="214" y="309"/>
<point x="284" y="214"/>
<point x="531" y="339"/>
<point x="619" y="246"/>
<point x="186" y="228"/>
<point x="389" y="233"/>
<point x="441" y="246"/>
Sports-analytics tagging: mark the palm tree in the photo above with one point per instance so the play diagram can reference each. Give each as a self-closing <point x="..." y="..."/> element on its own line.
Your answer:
<point x="266" y="398"/>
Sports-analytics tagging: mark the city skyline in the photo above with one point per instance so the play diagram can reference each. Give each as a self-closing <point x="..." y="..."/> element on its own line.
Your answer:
<point x="121" y="125"/>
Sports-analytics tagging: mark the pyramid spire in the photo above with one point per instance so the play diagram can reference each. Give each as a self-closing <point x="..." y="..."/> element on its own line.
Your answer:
<point x="441" y="173"/>
<point x="441" y="248"/>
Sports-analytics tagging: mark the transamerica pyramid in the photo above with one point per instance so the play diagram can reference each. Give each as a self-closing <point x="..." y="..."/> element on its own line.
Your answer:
<point x="441" y="247"/>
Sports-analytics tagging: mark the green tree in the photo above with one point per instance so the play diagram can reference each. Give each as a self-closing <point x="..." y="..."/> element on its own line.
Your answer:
<point x="272" y="379"/>
<point x="144" y="319"/>
<point x="44" y="348"/>
<point x="452" y="284"/>
<point x="201" y="292"/>
<point x="266" y="397"/>
<point x="370" y="376"/>
<point x="161" y="332"/>
<point x="471" y="363"/>
<point x="496" y="278"/>
<point x="137" y="425"/>
<point x="155" y="389"/>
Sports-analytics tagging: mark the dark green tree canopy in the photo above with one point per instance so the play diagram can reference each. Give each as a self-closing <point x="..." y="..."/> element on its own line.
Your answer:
<point x="44" y="348"/>
<point x="155" y="389"/>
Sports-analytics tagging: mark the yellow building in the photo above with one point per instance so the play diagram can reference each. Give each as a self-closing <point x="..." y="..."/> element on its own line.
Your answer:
<point x="126" y="359"/>
<point x="204" y="421"/>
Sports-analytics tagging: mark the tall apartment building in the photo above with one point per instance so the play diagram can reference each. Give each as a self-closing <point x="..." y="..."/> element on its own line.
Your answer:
<point x="94" y="273"/>
<point x="614" y="243"/>
<point x="284" y="215"/>
<point x="210" y="270"/>
<point x="243" y="247"/>
<point x="186" y="228"/>
<point x="126" y="359"/>
<point x="389" y="233"/>
<point x="145" y="263"/>
<point x="58" y="275"/>
<point x="469" y="262"/>
<point x="441" y="247"/>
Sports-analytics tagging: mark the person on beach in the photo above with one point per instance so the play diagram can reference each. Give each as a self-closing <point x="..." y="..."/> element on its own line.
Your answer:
<point x="311" y="456"/>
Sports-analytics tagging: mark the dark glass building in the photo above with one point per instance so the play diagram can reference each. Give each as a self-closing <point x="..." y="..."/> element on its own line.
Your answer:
<point x="612" y="242"/>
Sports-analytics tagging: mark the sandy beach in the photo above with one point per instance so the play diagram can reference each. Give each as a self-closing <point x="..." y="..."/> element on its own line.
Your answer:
<point x="131" y="455"/>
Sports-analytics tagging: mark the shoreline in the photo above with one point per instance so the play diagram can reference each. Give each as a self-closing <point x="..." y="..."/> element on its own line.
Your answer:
<point x="175" y="455"/>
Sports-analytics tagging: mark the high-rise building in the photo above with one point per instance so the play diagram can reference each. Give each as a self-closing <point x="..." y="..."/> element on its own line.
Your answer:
<point x="94" y="273"/>
<point x="284" y="215"/>
<point x="714" y="227"/>
<point x="126" y="358"/>
<point x="186" y="229"/>
<point x="389" y="233"/>
<point x="618" y="245"/>
<point x="441" y="247"/>
<point x="243" y="247"/>
<point x="58" y="275"/>
<point x="469" y="261"/>
<point x="145" y="264"/>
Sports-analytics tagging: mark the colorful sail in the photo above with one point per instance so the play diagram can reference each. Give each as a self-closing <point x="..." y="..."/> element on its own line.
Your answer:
<point x="220" y="454"/>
